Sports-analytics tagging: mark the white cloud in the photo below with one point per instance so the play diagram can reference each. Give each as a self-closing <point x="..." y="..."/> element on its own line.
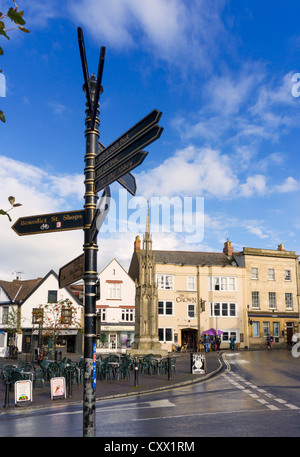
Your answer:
<point x="168" y="28"/>
<point x="191" y="171"/>
<point x="289" y="185"/>
<point x="254" y="185"/>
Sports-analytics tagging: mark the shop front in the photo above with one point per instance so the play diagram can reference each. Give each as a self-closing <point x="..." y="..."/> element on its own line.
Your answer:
<point x="115" y="338"/>
<point x="280" y="327"/>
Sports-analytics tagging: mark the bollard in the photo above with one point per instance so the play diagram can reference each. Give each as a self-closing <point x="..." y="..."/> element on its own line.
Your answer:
<point x="69" y="383"/>
<point x="7" y="389"/>
<point x="169" y="369"/>
<point x="136" y="370"/>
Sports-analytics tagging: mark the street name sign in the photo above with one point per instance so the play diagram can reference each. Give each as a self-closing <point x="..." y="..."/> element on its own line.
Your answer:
<point x="71" y="272"/>
<point x="45" y="223"/>
<point x="127" y="180"/>
<point x="136" y="132"/>
<point x="113" y="170"/>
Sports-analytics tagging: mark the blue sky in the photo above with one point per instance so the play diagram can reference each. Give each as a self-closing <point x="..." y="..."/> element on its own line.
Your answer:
<point x="221" y="74"/>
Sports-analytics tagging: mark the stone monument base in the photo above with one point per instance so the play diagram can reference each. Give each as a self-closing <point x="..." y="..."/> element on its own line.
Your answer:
<point x="143" y="352"/>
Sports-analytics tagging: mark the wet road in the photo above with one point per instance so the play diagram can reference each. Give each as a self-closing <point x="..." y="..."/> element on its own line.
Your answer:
<point x="257" y="395"/>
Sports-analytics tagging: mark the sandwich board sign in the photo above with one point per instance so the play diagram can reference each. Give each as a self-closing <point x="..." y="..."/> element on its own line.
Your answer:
<point x="23" y="392"/>
<point x="198" y="364"/>
<point x="58" y="388"/>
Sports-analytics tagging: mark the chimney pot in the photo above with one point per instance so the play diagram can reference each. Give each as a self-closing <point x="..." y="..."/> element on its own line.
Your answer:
<point x="228" y="248"/>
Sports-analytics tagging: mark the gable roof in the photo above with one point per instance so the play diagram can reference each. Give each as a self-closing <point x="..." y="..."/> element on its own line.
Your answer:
<point x="18" y="290"/>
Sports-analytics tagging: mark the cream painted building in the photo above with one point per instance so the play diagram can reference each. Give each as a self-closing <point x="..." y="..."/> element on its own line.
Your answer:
<point x="272" y="294"/>
<point x="197" y="291"/>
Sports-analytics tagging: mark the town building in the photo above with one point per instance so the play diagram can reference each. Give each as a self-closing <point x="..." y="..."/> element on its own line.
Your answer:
<point x="116" y="309"/>
<point x="26" y="314"/>
<point x="197" y="291"/>
<point x="272" y="294"/>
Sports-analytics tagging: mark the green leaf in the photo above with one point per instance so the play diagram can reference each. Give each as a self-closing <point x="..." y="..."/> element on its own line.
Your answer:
<point x="23" y="29"/>
<point x="2" y="211"/>
<point x="2" y="32"/>
<point x="1" y="53"/>
<point x="17" y="204"/>
<point x="11" y="200"/>
<point x="15" y="16"/>
<point x="8" y="217"/>
<point x="2" y="117"/>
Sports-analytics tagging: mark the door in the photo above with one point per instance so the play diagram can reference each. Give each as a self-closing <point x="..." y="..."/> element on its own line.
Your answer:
<point x="112" y="341"/>
<point x="289" y="332"/>
<point x="189" y="337"/>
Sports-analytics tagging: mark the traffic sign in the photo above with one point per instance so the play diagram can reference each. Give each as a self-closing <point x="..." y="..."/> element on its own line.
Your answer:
<point x="71" y="272"/>
<point x="127" y="180"/>
<point x="118" y="171"/>
<point x="45" y="223"/>
<point x="131" y="136"/>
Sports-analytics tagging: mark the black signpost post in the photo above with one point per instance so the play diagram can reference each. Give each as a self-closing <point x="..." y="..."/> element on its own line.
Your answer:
<point x="103" y="166"/>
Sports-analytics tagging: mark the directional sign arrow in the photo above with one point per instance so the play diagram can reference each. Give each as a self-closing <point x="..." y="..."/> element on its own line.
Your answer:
<point x="119" y="170"/>
<point x="45" y="223"/>
<point x="71" y="272"/>
<point x="126" y="153"/>
<point x="127" y="181"/>
<point x="132" y="135"/>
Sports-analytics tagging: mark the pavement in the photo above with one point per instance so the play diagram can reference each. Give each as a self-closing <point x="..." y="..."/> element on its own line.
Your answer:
<point x="109" y="389"/>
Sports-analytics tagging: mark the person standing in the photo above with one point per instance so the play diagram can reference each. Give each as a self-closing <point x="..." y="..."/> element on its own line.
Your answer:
<point x="232" y="343"/>
<point x="207" y="343"/>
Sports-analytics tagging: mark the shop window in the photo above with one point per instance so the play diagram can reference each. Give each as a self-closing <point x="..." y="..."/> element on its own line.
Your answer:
<point x="255" y="329"/>
<point x="276" y="329"/>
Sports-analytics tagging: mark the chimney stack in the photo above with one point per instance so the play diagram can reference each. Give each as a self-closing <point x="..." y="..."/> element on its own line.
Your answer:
<point x="228" y="248"/>
<point x="280" y="247"/>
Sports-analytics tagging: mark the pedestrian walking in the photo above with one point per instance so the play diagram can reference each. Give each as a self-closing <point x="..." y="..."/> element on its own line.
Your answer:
<point x="268" y="341"/>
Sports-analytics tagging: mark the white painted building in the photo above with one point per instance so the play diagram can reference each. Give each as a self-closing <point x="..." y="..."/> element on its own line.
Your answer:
<point x="26" y="297"/>
<point x="117" y="309"/>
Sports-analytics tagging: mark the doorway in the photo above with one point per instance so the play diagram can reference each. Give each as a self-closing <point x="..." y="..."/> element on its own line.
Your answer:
<point x="112" y="341"/>
<point x="289" y="332"/>
<point x="189" y="337"/>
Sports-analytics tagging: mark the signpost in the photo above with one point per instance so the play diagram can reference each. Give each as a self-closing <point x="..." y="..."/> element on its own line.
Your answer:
<point x="71" y="272"/>
<point x="103" y="166"/>
<point x="45" y="223"/>
<point x="113" y="170"/>
<point x="127" y="180"/>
